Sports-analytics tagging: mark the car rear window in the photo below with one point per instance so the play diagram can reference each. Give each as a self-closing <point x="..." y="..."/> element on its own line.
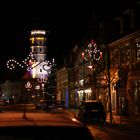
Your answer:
<point x="94" y="105"/>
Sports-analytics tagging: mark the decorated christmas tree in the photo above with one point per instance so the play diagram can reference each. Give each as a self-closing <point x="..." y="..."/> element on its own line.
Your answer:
<point x="50" y="86"/>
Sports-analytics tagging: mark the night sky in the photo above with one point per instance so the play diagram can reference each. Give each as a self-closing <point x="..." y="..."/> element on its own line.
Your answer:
<point x="67" y="22"/>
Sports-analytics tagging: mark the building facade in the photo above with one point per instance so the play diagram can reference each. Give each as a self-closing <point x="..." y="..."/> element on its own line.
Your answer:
<point x="62" y="85"/>
<point x="117" y="75"/>
<point x="124" y="70"/>
<point x="125" y="58"/>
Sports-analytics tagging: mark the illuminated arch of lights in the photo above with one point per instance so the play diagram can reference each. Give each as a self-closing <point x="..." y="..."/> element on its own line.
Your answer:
<point x="92" y="53"/>
<point x="30" y="63"/>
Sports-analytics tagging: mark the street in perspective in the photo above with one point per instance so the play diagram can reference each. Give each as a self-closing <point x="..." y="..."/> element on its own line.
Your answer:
<point x="70" y="71"/>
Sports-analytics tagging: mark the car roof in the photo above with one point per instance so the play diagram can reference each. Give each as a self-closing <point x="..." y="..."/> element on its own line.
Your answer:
<point x="39" y="119"/>
<point x="45" y="133"/>
<point x="37" y="126"/>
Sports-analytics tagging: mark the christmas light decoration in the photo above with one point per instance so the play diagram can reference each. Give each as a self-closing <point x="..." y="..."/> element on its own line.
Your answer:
<point x="92" y="53"/>
<point x="11" y="64"/>
<point x="36" y="64"/>
<point x="29" y="63"/>
<point x="28" y="85"/>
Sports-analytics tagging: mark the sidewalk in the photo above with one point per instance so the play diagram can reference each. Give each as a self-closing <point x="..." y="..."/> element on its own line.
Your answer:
<point x="116" y="119"/>
<point x="125" y="125"/>
<point x="119" y="123"/>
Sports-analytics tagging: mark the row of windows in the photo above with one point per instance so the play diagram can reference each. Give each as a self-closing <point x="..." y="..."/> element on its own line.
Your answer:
<point x="38" y="50"/>
<point x="125" y="53"/>
<point x="38" y="41"/>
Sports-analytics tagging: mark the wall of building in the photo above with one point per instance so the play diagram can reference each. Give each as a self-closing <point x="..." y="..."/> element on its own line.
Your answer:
<point x="62" y="85"/>
<point x="124" y="54"/>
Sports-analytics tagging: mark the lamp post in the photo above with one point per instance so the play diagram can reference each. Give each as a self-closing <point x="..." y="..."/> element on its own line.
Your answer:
<point x="92" y="67"/>
<point x="93" y="55"/>
<point x="84" y="96"/>
<point x="42" y="80"/>
<point x="28" y="86"/>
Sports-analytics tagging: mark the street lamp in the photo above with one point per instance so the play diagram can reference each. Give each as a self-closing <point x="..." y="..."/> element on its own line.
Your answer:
<point x="92" y="67"/>
<point x="92" y="54"/>
<point x="28" y="86"/>
<point x="42" y="80"/>
<point x="84" y="80"/>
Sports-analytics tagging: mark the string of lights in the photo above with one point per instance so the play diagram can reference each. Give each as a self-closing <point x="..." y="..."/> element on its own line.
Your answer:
<point x="29" y="63"/>
<point x="11" y="64"/>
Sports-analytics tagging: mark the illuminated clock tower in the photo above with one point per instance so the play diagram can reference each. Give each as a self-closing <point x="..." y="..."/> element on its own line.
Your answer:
<point x="38" y="40"/>
<point x="39" y="67"/>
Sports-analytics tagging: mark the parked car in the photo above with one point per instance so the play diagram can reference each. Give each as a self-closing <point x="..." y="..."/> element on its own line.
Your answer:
<point x="42" y="126"/>
<point x="41" y="104"/>
<point x="54" y="104"/>
<point x="92" y="111"/>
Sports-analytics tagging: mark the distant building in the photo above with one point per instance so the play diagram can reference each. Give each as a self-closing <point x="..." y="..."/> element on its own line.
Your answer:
<point x="11" y="91"/>
<point x="39" y="66"/>
<point x="62" y="85"/>
<point x="31" y="86"/>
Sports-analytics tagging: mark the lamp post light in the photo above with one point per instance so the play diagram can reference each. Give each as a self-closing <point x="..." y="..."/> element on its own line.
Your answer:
<point x="92" y="54"/>
<point x="92" y="67"/>
<point x="28" y="86"/>
<point x="42" y="80"/>
<point x="84" y="80"/>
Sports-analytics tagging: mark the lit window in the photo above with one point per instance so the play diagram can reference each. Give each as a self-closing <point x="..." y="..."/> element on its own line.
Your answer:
<point x="138" y="50"/>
